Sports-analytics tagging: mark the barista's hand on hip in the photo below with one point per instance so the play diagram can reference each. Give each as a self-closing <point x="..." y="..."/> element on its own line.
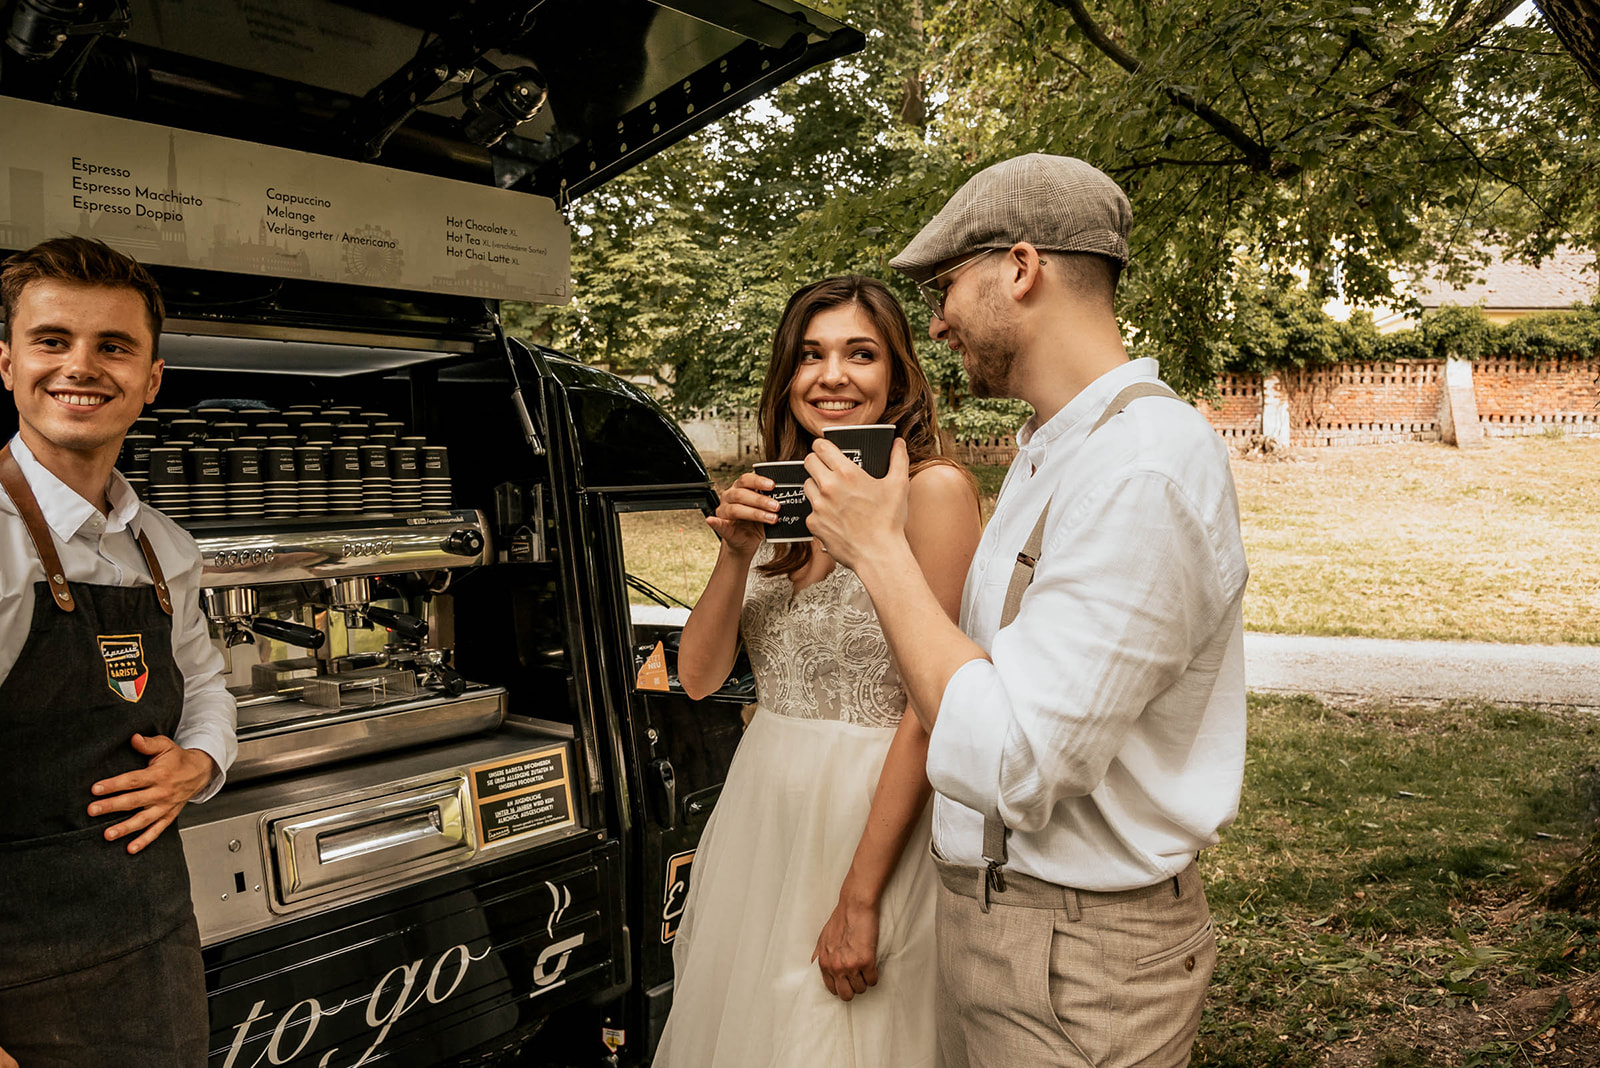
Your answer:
<point x="155" y="794"/>
<point x="743" y="514"/>
<point x="852" y="513"/>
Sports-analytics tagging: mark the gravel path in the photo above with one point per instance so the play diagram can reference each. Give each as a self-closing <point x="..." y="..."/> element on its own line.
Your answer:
<point x="1523" y="674"/>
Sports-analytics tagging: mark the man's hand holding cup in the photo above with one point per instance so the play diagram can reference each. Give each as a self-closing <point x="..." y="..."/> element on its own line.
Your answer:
<point x="854" y="514"/>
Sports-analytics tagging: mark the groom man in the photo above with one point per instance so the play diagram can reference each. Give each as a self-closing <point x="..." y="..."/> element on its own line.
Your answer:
<point x="1087" y="718"/>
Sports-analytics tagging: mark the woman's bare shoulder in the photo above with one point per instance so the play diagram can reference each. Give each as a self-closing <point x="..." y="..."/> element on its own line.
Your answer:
<point x="942" y="485"/>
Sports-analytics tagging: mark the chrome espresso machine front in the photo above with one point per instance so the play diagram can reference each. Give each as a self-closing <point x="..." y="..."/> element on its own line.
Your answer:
<point x="366" y="761"/>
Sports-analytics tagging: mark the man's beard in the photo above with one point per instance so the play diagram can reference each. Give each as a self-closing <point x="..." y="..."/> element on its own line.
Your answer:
<point x="990" y="345"/>
<point x="990" y="372"/>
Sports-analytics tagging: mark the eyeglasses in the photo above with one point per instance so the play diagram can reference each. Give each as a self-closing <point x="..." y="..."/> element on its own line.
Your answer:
<point x="932" y="295"/>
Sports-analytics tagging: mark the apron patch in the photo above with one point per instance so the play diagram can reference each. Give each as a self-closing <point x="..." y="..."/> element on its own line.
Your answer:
<point x="126" y="673"/>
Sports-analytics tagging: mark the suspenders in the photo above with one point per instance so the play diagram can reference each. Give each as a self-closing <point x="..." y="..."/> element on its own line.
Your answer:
<point x="16" y="487"/>
<point x="994" y="831"/>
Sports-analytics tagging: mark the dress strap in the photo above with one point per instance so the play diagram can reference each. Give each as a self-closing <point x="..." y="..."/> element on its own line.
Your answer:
<point x="16" y="487"/>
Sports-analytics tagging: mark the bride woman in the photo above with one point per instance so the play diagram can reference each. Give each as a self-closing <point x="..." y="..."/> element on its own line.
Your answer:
<point x="808" y="937"/>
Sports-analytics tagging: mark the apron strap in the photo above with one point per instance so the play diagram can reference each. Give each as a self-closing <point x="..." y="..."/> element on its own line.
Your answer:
<point x="163" y="596"/>
<point x="16" y="488"/>
<point x="994" y="831"/>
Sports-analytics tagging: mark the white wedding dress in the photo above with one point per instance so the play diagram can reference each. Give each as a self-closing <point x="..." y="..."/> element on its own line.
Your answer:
<point x="778" y="845"/>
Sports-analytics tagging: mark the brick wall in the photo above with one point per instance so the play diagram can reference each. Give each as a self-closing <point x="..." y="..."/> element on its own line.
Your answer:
<point x="1346" y="404"/>
<point x="1237" y="412"/>
<point x="1529" y="397"/>
<point x="1364" y="403"/>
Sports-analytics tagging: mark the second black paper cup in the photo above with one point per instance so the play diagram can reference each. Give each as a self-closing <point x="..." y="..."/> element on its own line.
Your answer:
<point x="868" y="445"/>
<point x="789" y="478"/>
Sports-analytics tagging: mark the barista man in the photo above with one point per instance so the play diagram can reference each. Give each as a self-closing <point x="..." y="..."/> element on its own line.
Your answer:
<point x="113" y="712"/>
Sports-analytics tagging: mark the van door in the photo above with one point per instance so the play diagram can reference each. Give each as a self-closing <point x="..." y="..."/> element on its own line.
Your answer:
<point x="682" y="747"/>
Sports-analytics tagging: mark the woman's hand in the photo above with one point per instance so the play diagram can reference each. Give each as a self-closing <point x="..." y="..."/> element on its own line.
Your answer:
<point x="847" y="949"/>
<point x="744" y="514"/>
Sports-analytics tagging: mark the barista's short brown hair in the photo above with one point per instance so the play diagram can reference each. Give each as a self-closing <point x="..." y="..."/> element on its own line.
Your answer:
<point x="80" y="261"/>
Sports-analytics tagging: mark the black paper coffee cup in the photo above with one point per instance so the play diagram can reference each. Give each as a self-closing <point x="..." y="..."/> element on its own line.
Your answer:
<point x="868" y="445"/>
<point x="789" y="478"/>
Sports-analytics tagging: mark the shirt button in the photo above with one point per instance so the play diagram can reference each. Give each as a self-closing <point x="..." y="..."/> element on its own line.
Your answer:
<point x="983" y="565"/>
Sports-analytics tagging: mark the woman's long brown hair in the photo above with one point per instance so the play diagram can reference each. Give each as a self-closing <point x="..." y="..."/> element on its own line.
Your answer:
<point x="910" y="407"/>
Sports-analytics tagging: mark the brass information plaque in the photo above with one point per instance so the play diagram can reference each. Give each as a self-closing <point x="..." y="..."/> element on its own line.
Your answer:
<point x="527" y="793"/>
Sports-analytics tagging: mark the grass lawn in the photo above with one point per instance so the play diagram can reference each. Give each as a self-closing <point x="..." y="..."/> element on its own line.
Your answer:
<point x="1371" y="898"/>
<point x="1427" y="541"/>
<point x="1495" y="544"/>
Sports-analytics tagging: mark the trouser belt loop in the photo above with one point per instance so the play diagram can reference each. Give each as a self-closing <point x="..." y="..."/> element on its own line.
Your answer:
<point x="1177" y="887"/>
<point x="1069" y="902"/>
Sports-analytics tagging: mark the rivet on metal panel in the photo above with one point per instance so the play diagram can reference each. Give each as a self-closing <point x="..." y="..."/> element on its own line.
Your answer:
<point x="235" y="845"/>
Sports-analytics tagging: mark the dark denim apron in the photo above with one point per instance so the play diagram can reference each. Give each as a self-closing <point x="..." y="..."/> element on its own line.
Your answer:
<point x="99" y="954"/>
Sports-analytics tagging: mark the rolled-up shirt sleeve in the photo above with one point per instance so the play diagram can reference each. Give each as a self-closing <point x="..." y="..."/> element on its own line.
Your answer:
<point x="1128" y="588"/>
<point x="209" y="711"/>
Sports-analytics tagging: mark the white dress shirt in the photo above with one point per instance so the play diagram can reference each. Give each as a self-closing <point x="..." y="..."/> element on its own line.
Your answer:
<point x="104" y="550"/>
<point x="1108" y="729"/>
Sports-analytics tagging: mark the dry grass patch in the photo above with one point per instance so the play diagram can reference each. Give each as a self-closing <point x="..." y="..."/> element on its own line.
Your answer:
<point x="1385" y="541"/>
<point x="1427" y="541"/>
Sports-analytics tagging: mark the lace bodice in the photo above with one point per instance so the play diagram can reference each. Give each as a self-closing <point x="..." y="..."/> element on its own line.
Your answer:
<point x="819" y="654"/>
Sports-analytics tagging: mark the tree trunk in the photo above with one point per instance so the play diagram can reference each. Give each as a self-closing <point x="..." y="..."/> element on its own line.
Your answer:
<point x="1577" y="24"/>
<point x="1579" y="889"/>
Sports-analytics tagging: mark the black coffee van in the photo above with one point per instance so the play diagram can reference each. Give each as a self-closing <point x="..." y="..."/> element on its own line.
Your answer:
<point x="469" y="791"/>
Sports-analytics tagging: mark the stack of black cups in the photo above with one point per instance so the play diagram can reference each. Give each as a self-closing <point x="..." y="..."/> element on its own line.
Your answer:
<point x="211" y="464"/>
<point x="246" y="496"/>
<point x="169" y="481"/>
<point x="311" y="463"/>
<point x="405" y="468"/>
<point x="208" y="493"/>
<point x="344" y="480"/>
<point x="279" y="477"/>
<point x="377" y="488"/>
<point x="134" y="459"/>
<point x="435" y="477"/>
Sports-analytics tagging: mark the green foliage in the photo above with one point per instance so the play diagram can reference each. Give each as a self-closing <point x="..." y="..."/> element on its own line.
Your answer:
<point x="1318" y="138"/>
<point x="1276" y="325"/>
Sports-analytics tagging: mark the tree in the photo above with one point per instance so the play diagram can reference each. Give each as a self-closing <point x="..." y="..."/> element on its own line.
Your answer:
<point x="1332" y="140"/>
<point x="1577" y="24"/>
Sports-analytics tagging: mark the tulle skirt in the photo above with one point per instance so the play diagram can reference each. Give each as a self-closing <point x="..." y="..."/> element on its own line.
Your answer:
<point x="766" y="878"/>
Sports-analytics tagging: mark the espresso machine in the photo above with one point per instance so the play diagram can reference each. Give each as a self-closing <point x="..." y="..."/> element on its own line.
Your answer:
<point x="336" y="634"/>
<point x="366" y="761"/>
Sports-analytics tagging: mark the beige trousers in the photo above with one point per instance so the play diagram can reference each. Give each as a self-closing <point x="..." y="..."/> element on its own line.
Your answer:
<point x="1085" y="980"/>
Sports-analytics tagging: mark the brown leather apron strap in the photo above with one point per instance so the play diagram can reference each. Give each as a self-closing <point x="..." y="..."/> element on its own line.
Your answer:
<point x="162" y="594"/>
<point x="16" y="488"/>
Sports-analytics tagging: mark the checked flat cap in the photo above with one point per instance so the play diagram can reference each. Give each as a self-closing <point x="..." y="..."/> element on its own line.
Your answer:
<point x="1057" y="203"/>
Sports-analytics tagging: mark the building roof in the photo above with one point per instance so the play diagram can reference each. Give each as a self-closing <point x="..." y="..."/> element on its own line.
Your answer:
<point x="1566" y="277"/>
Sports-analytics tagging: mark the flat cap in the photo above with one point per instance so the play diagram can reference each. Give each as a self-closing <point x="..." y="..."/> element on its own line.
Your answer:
<point x="1056" y="203"/>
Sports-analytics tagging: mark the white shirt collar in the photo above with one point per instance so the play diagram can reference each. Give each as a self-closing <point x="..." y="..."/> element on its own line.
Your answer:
<point x="64" y="510"/>
<point x="1080" y="413"/>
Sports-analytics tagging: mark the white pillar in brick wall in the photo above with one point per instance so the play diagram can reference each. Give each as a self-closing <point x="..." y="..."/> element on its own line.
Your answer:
<point x="1458" y="407"/>
<point x="1274" y="412"/>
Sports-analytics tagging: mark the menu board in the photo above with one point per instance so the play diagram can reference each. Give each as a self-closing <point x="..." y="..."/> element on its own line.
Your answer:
<point x="185" y="199"/>
<point x="521" y="795"/>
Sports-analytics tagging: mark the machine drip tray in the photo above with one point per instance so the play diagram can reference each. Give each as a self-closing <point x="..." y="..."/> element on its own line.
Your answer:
<point x="293" y="735"/>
